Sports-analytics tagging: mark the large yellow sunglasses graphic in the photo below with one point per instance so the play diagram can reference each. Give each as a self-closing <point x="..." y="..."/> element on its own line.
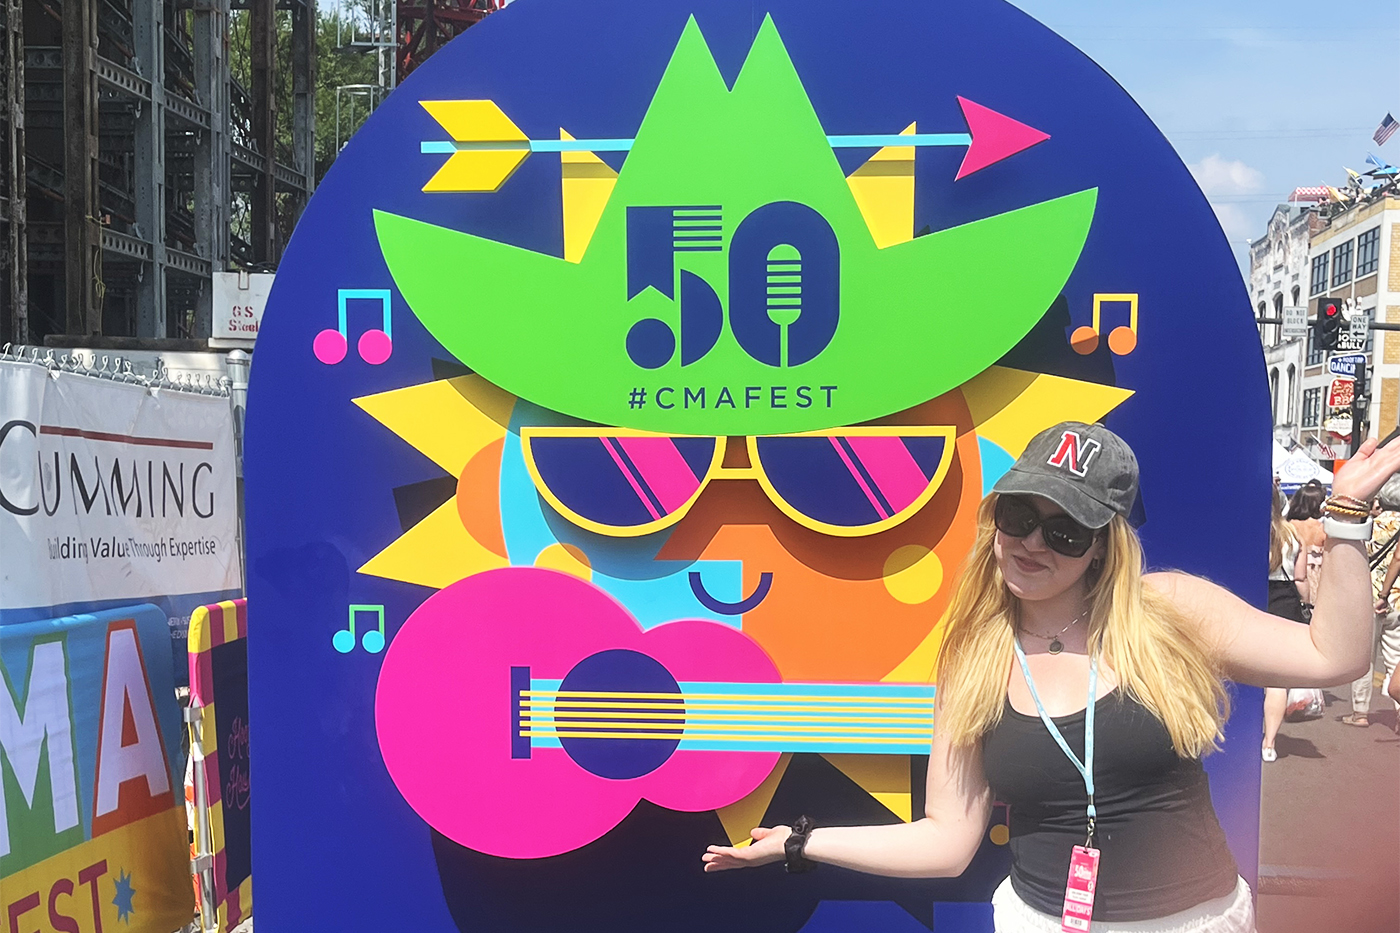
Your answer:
<point x="844" y="481"/>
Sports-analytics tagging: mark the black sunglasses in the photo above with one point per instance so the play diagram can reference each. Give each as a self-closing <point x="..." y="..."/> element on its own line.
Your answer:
<point x="1017" y="517"/>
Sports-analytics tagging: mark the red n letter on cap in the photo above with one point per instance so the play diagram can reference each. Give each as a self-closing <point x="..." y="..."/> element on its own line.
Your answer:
<point x="1074" y="453"/>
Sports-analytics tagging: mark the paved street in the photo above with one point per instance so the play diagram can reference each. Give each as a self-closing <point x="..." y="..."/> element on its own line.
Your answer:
<point x="1330" y="837"/>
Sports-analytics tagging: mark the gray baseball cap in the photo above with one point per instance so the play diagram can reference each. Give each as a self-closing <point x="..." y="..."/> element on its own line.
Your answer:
<point x="1085" y="469"/>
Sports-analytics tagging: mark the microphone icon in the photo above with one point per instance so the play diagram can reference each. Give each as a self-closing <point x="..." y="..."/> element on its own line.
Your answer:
<point x="784" y="292"/>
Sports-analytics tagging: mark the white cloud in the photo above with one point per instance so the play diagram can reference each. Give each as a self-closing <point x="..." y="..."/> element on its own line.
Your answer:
<point x="1236" y="223"/>
<point x="1217" y="175"/>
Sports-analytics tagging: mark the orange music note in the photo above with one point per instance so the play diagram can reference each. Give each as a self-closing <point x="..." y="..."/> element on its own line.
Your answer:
<point x="1122" y="340"/>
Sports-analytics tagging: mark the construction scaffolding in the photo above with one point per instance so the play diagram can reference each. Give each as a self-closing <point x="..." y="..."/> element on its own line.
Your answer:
<point x="137" y="163"/>
<point x="364" y="28"/>
<point x="149" y="144"/>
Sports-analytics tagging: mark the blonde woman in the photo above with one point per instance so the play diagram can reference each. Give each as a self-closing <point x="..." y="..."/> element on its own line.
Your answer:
<point x="1083" y="693"/>
<point x="1288" y="590"/>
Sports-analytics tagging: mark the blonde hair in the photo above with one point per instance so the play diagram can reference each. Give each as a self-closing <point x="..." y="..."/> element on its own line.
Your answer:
<point x="1159" y="657"/>
<point x="1279" y="532"/>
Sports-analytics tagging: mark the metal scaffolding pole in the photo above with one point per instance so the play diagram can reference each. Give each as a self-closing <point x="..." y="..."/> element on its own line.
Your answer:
<point x="303" y="100"/>
<point x="212" y="188"/>
<point x="82" y="239"/>
<point x="263" y="38"/>
<point x="149" y="166"/>
<point x="16" y="185"/>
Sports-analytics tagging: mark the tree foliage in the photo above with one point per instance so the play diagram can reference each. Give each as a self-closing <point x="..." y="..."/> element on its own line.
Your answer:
<point x="340" y="65"/>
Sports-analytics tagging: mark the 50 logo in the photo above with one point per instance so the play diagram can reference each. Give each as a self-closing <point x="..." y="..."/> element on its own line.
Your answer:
<point x="784" y="283"/>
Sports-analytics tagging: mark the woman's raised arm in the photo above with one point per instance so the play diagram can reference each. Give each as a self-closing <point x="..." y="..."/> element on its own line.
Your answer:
<point x="1261" y="649"/>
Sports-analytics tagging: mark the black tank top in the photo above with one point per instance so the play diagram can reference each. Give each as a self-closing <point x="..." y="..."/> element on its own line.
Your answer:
<point x="1162" y="847"/>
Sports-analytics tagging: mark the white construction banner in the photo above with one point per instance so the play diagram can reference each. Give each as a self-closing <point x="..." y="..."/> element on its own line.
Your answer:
<point x="112" y="491"/>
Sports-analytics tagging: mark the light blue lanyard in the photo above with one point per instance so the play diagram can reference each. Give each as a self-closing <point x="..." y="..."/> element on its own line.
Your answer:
<point x="1085" y="767"/>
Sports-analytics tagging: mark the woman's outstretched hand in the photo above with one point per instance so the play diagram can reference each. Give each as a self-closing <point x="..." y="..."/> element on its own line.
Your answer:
<point x="1367" y="470"/>
<point x="767" y="846"/>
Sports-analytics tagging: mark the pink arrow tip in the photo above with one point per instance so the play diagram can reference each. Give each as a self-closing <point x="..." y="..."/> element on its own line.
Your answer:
<point x="995" y="137"/>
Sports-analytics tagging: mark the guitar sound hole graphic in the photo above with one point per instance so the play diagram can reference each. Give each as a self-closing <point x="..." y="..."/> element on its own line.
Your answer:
<point x="595" y="732"/>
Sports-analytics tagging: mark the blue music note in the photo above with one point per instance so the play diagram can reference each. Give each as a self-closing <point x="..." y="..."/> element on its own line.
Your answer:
<point x="373" y="640"/>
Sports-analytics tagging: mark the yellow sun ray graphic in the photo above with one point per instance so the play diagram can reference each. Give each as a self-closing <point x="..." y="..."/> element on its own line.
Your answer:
<point x="1011" y="406"/>
<point x="459" y="424"/>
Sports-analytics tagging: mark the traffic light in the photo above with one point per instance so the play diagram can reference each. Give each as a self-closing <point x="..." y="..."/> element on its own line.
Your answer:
<point x="1329" y="323"/>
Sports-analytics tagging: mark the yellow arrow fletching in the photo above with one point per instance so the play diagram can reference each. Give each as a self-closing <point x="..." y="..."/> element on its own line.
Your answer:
<point x="476" y="169"/>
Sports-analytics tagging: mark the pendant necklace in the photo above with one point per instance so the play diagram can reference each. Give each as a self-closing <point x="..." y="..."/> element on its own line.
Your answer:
<point x="1056" y="646"/>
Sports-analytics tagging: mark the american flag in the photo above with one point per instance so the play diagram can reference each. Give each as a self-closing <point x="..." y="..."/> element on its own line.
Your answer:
<point x="1385" y="130"/>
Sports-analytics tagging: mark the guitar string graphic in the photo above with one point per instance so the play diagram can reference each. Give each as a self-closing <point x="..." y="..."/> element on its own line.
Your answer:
<point x="717" y="719"/>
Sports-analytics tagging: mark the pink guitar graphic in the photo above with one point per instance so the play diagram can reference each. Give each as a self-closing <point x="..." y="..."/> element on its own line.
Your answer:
<point x="523" y="713"/>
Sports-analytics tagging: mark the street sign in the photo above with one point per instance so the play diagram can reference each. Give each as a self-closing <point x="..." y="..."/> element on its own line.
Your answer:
<point x="1346" y="365"/>
<point x="1295" y="322"/>
<point x="1343" y="390"/>
<point x="1339" y="425"/>
<point x="239" y="298"/>
<point x="1350" y="340"/>
<point x="1360" y="324"/>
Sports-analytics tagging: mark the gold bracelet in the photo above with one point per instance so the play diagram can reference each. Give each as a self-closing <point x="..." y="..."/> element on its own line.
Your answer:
<point x="1360" y="504"/>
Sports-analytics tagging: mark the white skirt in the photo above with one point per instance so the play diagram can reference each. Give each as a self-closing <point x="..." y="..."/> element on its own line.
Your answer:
<point x="1233" y="913"/>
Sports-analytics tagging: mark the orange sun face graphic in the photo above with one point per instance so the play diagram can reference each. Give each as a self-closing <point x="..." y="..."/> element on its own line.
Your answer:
<point x="849" y="608"/>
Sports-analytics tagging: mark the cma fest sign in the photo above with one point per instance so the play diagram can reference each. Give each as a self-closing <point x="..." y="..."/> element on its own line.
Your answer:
<point x="626" y="399"/>
<point x="92" y="828"/>
<point x="111" y="492"/>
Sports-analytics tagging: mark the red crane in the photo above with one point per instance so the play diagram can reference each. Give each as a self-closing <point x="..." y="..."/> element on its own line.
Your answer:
<point x="424" y="26"/>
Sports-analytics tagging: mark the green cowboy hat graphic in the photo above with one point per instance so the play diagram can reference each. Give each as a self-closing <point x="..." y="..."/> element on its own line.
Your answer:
<point x="732" y="285"/>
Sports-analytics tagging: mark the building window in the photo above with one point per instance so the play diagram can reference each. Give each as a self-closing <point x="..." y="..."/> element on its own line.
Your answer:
<point x="1368" y="252"/>
<point x="1312" y="407"/>
<point x="1295" y="296"/>
<point x="1273" y="394"/>
<point x="1315" y="353"/>
<point x="1288" y="397"/>
<point x="1319" y="275"/>
<point x="1341" y="264"/>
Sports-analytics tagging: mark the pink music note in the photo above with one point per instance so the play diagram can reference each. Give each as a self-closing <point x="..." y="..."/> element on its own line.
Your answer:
<point x="374" y="346"/>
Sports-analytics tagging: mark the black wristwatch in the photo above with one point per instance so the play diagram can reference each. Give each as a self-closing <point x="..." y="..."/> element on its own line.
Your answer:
<point x="793" y="859"/>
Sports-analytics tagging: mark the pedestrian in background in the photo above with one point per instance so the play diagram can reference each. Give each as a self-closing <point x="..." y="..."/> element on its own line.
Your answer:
<point x="1288" y="590"/>
<point x="1305" y="518"/>
<point x="1384" y="570"/>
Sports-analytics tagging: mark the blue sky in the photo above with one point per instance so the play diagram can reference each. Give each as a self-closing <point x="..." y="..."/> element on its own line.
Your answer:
<point x="1257" y="96"/>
